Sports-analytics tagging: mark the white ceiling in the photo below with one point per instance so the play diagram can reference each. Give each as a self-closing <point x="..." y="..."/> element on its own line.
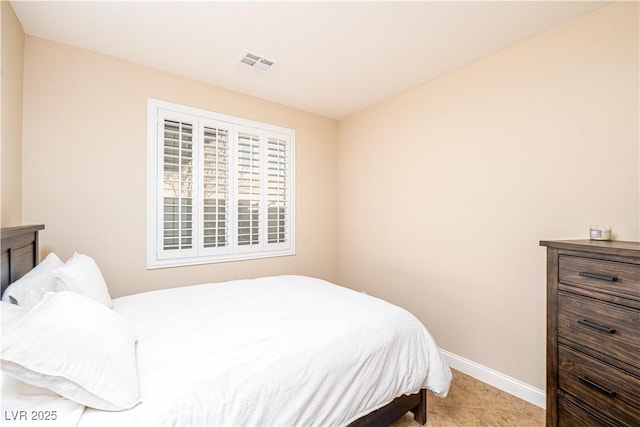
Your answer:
<point x="332" y="58"/>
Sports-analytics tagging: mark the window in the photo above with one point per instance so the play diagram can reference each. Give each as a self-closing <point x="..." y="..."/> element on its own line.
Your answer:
<point x="220" y="188"/>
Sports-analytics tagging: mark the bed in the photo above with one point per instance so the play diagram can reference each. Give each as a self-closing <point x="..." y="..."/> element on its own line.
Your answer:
<point x="284" y="350"/>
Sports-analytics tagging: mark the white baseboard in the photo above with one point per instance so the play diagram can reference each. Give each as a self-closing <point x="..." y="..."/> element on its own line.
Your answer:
<point x="496" y="379"/>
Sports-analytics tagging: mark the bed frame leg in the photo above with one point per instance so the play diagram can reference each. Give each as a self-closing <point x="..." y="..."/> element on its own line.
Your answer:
<point x="420" y="411"/>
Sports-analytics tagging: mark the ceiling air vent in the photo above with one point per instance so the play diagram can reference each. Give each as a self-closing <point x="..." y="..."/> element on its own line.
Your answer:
<point x="256" y="63"/>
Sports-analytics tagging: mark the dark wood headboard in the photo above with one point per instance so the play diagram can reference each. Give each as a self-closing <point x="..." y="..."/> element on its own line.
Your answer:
<point x="19" y="250"/>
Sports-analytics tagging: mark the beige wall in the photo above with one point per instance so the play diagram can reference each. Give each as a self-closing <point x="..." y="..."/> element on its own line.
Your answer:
<point x="12" y="70"/>
<point x="84" y="168"/>
<point x="446" y="190"/>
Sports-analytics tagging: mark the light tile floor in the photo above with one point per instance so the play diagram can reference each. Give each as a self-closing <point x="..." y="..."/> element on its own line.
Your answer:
<point x="472" y="403"/>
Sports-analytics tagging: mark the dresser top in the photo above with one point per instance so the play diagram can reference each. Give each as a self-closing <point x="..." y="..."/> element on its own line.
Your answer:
<point x="613" y="247"/>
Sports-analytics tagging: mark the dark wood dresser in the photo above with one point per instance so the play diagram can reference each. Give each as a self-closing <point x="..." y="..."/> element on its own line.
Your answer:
<point x="593" y="333"/>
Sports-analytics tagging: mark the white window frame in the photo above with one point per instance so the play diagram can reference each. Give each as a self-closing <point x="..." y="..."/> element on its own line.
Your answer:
<point x="157" y="257"/>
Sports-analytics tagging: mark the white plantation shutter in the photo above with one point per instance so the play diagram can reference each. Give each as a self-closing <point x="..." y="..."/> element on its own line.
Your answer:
<point x="249" y="187"/>
<point x="220" y="188"/>
<point x="277" y="189"/>
<point x="177" y="189"/>
<point x="215" y="186"/>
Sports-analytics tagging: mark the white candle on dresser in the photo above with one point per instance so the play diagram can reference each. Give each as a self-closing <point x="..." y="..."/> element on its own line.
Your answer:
<point x="600" y="232"/>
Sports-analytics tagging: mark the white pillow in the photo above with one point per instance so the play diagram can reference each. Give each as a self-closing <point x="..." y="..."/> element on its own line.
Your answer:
<point x="75" y="347"/>
<point x="29" y="290"/>
<point x="24" y="405"/>
<point x="81" y="274"/>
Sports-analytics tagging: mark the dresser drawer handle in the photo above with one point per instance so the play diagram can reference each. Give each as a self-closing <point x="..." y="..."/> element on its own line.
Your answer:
<point x="604" y="277"/>
<point x="596" y="386"/>
<point x="606" y="330"/>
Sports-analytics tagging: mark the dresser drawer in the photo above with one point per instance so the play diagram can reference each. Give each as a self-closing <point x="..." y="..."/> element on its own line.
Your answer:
<point x="609" y="276"/>
<point x="571" y="414"/>
<point x="599" y="385"/>
<point x="607" y="328"/>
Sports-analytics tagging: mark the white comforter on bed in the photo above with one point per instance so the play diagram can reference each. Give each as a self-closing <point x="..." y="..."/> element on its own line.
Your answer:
<point x="276" y="351"/>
